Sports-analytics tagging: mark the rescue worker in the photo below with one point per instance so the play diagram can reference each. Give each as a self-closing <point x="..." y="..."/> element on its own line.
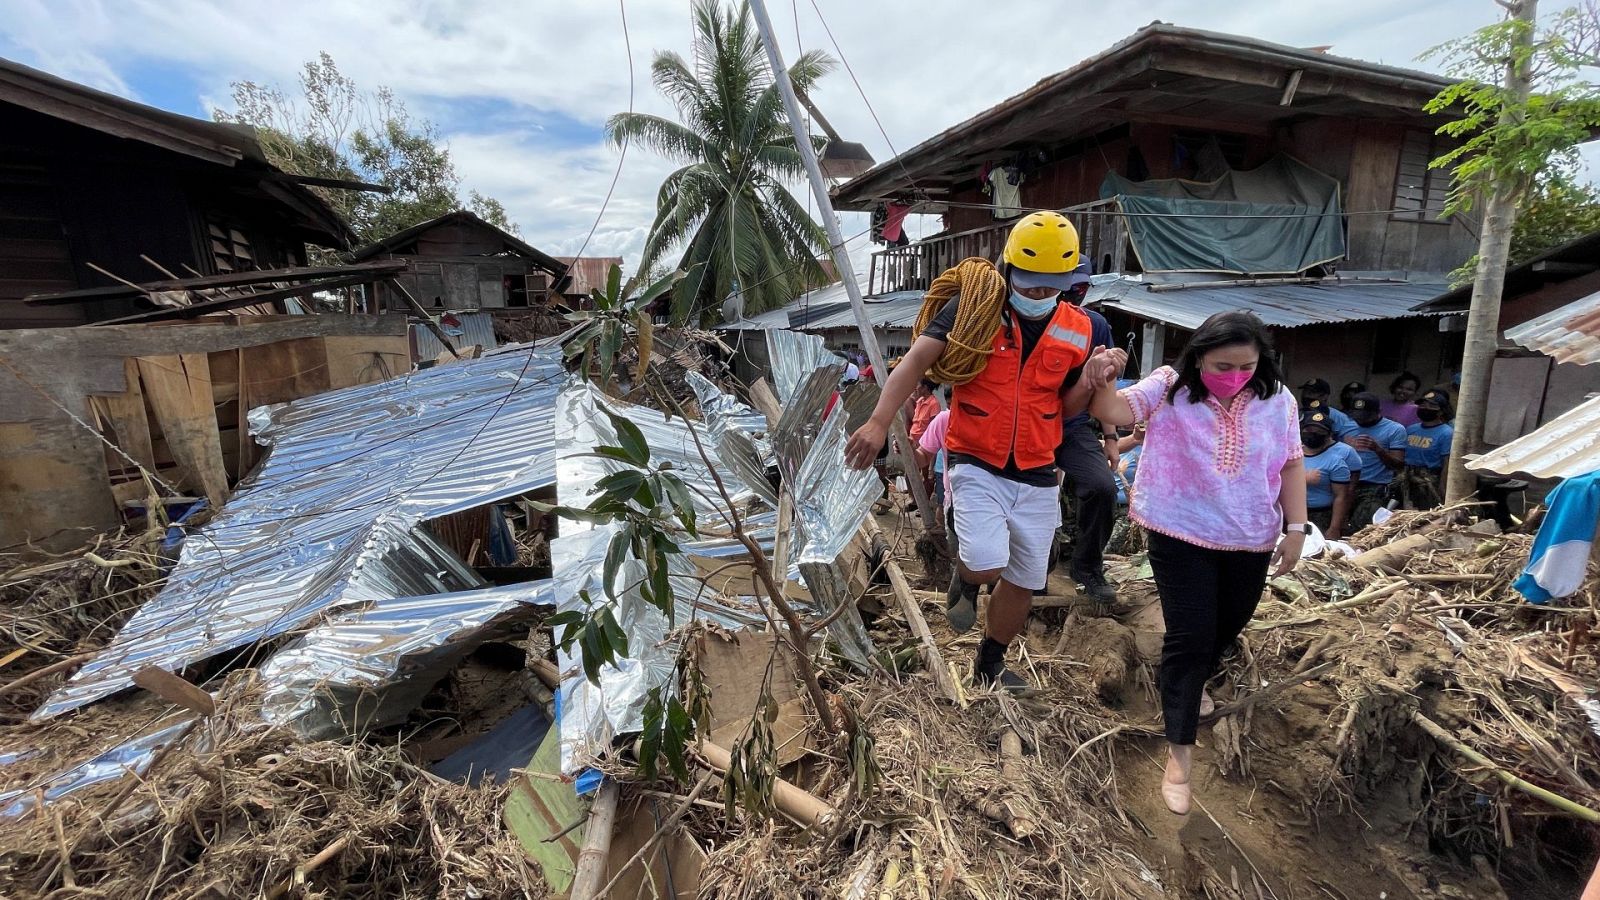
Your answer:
<point x="1428" y="443"/>
<point x="1005" y="420"/>
<point x="1088" y="461"/>
<point x="1382" y="445"/>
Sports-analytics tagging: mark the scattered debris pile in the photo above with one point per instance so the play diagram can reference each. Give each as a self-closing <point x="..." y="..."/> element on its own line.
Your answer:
<point x="54" y="614"/>
<point x="236" y="809"/>
<point x="1413" y="682"/>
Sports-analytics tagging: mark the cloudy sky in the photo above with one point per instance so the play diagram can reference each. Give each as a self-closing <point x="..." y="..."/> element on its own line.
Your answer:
<point x="521" y="91"/>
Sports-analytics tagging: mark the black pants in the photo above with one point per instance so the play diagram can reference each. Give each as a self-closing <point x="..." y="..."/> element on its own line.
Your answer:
<point x="1207" y="597"/>
<point x="1082" y="459"/>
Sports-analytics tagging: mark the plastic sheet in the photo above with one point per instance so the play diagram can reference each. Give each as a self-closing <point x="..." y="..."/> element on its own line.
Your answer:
<point x="329" y="519"/>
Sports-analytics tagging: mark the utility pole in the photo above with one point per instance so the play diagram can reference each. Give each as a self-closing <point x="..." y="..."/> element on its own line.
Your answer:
<point x="1494" y="246"/>
<point x="841" y="256"/>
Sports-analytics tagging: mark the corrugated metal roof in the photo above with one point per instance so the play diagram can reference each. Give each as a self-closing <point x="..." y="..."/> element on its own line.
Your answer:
<point x="1564" y="447"/>
<point x="589" y="273"/>
<point x="1282" y="306"/>
<point x="1570" y="334"/>
<point x="829" y="307"/>
<point x="468" y="328"/>
<point x="329" y="519"/>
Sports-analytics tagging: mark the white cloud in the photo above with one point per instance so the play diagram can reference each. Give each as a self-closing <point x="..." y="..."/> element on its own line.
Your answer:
<point x="539" y="66"/>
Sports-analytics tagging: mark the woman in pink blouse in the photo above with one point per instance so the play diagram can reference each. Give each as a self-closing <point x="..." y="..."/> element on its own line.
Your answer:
<point x="1221" y="472"/>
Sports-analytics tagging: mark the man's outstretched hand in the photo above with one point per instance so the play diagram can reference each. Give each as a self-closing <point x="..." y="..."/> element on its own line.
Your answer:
<point x="863" y="446"/>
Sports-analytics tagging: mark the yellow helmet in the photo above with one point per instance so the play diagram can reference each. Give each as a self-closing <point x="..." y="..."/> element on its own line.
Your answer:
<point x="1043" y="242"/>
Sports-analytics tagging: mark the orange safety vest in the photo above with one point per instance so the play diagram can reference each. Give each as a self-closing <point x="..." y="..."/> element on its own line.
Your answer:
<point x="1012" y="408"/>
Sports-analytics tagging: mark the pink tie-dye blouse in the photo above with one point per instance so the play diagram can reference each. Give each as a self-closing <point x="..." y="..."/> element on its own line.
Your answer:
<point x="1209" y="475"/>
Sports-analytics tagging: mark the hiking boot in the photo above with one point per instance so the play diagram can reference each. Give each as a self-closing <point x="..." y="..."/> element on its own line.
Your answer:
<point x="961" y="605"/>
<point x="1094" y="586"/>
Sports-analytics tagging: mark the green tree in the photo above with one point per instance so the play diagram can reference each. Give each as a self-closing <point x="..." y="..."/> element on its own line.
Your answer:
<point x="727" y="208"/>
<point x="1523" y="102"/>
<point x="1559" y="208"/>
<point x="333" y="129"/>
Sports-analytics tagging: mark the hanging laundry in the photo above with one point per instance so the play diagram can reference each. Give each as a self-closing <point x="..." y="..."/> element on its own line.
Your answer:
<point x="880" y="218"/>
<point x="1004" y="185"/>
<point x="1560" y="556"/>
<point x="894" y="224"/>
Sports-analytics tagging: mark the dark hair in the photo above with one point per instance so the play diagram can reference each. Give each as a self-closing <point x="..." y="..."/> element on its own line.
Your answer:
<point x="1402" y="378"/>
<point x="1228" y="329"/>
<point x="930" y="384"/>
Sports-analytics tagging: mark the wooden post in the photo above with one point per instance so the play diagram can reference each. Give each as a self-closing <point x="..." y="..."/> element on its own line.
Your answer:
<point x="591" y="869"/>
<point x="1153" y="349"/>
<point x="793" y="801"/>
<point x="841" y="256"/>
<point x="427" y="320"/>
<point x="179" y="390"/>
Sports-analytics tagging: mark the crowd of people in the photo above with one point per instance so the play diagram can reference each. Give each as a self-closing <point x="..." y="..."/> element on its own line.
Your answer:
<point x="1224" y="469"/>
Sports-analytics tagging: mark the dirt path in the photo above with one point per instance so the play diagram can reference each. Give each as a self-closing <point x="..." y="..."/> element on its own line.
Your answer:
<point x="1262" y="835"/>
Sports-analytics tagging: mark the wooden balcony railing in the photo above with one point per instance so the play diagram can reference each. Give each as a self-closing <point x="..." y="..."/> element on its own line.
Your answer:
<point x="914" y="266"/>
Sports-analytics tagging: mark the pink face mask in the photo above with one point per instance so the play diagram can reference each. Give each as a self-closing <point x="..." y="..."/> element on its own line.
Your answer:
<point x="1223" y="385"/>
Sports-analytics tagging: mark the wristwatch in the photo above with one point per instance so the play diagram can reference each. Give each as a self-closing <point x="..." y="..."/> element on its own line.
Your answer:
<point x="1302" y="528"/>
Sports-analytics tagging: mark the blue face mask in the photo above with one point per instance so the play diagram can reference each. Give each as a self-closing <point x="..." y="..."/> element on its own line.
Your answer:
<point x="1034" y="309"/>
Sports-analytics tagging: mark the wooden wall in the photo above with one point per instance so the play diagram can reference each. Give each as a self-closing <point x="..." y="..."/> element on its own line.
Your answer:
<point x="1363" y="155"/>
<point x="71" y="196"/>
<point x="171" y="396"/>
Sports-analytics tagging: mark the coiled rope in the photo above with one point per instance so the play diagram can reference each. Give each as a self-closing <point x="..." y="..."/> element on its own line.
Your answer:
<point x="982" y="290"/>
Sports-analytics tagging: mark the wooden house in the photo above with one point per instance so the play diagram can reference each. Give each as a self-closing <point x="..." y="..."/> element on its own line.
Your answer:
<point x="458" y="262"/>
<point x="96" y="189"/>
<point x="1172" y="114"/>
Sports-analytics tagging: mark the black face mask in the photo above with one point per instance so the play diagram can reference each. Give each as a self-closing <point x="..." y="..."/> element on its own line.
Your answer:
<point x="1429" y="415"/>
<point x="1313" y="439"/>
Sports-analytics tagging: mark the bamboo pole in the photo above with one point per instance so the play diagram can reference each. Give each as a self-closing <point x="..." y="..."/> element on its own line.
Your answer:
<point x="1570" y="807"/>
<point x="591" y="868"/>
<point x="931" y="657"/>
<point x="797" y="803"/>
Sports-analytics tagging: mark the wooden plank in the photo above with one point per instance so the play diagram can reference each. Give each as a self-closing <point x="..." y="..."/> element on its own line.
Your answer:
<point x="247" y="445"/>
<point x="286" y="370"/>
<point x="366" y="358"/>
<point x="174" y="689"/>
<point x="1516" y="395"/>
<point x="539" y="806"/>
<point x="223" y="304"/>
<point x="53" y="487"/>
<point x="130" y="424"/>
<point x="231" y="279"/>
<point x="179" y="388"/>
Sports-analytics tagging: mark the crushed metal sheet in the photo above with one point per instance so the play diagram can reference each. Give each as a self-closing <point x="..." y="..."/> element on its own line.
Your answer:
<point x="832" y="501"/>
<point x="371" y="667"/>
<point x="135" y="756"/>
<point x="329" y="518"/>
<point x="794" y="357"/>
<point x="1564" y="447"/>
<point x="590" y="715"/>
<point x="1570" y="334"/>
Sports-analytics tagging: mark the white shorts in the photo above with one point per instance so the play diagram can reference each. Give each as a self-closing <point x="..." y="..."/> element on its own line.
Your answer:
<point x="1004" y="524"/>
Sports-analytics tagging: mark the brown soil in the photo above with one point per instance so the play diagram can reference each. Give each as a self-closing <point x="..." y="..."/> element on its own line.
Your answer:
<point x="1323" y="791"/>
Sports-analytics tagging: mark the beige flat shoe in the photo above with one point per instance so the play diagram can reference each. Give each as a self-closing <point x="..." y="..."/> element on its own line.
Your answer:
<point x="1207" y="705"/>
<point x="1176" y="796"/>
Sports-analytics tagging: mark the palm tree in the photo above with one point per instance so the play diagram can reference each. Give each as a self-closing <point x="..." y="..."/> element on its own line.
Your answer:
<point x="727" y="207"/>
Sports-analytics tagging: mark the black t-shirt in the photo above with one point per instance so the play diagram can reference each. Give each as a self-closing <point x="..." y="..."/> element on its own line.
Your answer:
<point x="1031" y="330"/>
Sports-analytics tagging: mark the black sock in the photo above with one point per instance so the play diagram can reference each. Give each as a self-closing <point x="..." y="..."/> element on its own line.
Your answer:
<point x="991" y="659"/>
